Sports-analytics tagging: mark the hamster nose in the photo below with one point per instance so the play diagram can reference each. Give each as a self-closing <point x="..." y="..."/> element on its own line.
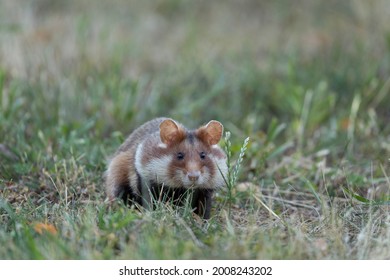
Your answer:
<point x="193" y="175"/>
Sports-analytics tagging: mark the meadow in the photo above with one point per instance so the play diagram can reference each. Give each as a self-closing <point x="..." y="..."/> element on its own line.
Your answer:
<point x="307" y="81"/>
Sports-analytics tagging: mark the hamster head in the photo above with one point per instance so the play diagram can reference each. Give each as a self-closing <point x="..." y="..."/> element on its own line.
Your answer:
<point x="189" y="159"/>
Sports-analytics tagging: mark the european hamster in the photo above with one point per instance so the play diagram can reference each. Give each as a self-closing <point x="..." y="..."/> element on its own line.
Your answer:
<point x="162" y="159"/>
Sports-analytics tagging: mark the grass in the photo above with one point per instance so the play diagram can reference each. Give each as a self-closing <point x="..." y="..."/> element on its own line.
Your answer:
<point x="309" y="86"/>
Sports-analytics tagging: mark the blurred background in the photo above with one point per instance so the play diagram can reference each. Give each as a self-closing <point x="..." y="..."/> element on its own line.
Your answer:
<point x="296" y="76"/>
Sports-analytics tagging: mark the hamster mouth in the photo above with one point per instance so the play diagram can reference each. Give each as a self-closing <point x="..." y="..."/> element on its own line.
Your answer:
<point x="191" y="185"/>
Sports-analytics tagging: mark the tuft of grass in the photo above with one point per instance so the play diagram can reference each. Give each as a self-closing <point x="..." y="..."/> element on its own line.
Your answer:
<point x="233" y="170"/>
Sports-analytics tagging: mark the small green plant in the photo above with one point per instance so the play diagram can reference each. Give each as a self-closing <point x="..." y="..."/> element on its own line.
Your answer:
<point x="233" y="170"/>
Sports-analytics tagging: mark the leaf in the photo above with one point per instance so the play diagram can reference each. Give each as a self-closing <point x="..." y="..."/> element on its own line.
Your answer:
<point x="43" y="227"/>
<point x="356" y="196"/>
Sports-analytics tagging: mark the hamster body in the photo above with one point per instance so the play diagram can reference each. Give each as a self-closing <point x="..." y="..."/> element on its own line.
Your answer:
<point x="163" y="160"/>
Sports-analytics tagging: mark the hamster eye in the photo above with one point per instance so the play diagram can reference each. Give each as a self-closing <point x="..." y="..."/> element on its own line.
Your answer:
<point x="180" y="156"/>
<point x="202" y="155"/>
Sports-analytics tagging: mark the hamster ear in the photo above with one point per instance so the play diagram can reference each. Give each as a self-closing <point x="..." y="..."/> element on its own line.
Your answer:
<point x="211" y="133"/>
<point x="171" y="132"/>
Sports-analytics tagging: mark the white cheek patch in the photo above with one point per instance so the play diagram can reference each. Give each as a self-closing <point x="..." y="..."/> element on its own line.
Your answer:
<point x="157" y="170"/>
<point x="221" y="173"/>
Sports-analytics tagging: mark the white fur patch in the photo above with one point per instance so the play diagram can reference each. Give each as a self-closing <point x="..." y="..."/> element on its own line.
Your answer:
<point x="156" y="170"/>
<point x="220" y="173"/>
<point x="162" y="145"/>
<point x="138" y="157"/>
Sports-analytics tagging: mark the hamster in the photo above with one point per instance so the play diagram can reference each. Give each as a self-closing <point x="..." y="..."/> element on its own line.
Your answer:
<point x="163" y="160"/>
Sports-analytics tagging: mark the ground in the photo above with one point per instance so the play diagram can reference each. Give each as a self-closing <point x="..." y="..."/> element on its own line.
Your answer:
<point x="308" y="83"/>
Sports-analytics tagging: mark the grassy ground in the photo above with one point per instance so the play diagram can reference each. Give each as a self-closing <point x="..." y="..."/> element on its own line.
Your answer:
<point x="309" y="83"/>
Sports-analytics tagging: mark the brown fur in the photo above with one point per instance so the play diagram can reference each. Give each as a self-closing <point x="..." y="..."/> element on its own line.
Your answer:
<point x="162" y="156"/>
